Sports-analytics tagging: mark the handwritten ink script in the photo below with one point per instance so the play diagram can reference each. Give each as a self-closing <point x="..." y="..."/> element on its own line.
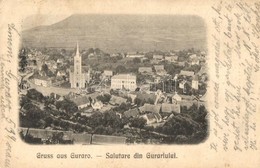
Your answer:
<point x="6" y="98"/>
<point x="235" y="42"/>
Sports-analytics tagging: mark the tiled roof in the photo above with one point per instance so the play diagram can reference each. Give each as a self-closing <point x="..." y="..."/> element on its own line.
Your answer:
<point x="187" y="73"/>
<point x="81" y="100"/>
<point x="146" y="96"/>
<point x="150" y="108"/>
<point x="117" y="100"/>
<point x="131" y="113"/>
<point x="143" y="69"/>
<point x="169" y="108"/>
<point x="124" y="77"/>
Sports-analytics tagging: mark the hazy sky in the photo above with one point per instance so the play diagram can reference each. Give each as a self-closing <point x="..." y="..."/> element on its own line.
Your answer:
<point x="40" y="20"/>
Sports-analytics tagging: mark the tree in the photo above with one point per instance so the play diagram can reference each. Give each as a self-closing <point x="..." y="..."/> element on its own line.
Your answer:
<point x="90" y="100"/>
<point x="138" y="123"/>
<point x="48" y="121"/>
<point x="139" y="102"/>
<point x="67" y="105"/>
<point x="104" y="98"/>
<point x="137" y="60"/>
<point x="35" y="95"/>
<point x="111" y="119"/>
<point x="22" y="60"/>
<point x="45" y="68"/>
<point x="95" y="120"/>
<point x="121" y="69"/>
<point x="24" y="100"/>
<point x="180" y="124"/>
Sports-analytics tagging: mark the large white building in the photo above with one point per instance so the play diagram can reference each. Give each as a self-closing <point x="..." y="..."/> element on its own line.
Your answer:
<point x="123" y="81"/>
<point x="79" y="75"/>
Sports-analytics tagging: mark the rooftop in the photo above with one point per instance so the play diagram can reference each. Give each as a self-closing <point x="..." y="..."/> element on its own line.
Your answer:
<point x="169" y="108"/>
<point x="124" y="77"/>
<point x="150" y="108"/>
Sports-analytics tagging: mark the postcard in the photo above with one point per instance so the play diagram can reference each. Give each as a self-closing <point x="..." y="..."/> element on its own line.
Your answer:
<point x="129" y="83"/>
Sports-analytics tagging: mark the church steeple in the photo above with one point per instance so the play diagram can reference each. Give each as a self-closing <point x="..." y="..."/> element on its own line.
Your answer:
<point x="77" y="52"/>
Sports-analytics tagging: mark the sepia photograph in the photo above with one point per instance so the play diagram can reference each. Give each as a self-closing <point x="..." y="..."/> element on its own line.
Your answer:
<point x="113" y="79"/>
<point x="133" y="83"/>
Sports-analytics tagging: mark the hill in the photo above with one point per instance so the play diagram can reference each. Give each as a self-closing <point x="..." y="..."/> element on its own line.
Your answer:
<point x="121" y="33"/>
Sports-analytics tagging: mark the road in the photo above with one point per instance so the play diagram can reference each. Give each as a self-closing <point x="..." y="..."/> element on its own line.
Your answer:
<point x="46" y="91"/>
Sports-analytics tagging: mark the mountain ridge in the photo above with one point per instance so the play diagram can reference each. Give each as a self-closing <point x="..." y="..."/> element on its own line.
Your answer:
<point x="120" y="33"/>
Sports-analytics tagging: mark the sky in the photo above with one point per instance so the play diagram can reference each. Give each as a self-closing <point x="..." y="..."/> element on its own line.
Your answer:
<point x="41" y="20"/>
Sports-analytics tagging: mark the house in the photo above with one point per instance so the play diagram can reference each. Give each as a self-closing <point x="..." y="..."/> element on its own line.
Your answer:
<point x="51" y="64"/>
<point x="132" y="96"/>
<point x="170" y="108"/>
<point x="193" y="56"/>
<point x="150" y="108"/>
<point x="203" y="53"/>
<point x="182" y="63"/>
<point x="132" y="113"/>
<point x="61" y="73"/>
<point x="144" y="59"/>
<point x="97" y="105"/>
<point x="124" y="81"/>
<point x="176" y="97"/>
<point x="159" y="69"/>
<point x="39" y="65"/>
<point x="195" y="61"/>
<point x="203" y="70"/>
<point x="195" y="82"/>
<point x="60" y="61"/>
<point x="108" y="73"/>
<point x="171" y="58"/>
<point x="134" y="55"/>
<point x="81" y="101"/>
<point x="181" y="98"/>
<point x="115" y="100"/>
<point x="152" y="118"/>
<point x="91" y="55"/>
<point x="157" y="79"/>
<point x="182" y="84"/>
<point x="158" y="57"/>
<point x="42" y="81"/>
<point x="31" y="63"/>
<point x="146" y="97"/>
<point x="114" y="55"/>
<point x="145" y="70"/>
<point x="187" y="73"/>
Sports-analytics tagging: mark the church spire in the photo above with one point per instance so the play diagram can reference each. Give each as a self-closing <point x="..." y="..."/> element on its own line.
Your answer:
<point x="77" y="52"/>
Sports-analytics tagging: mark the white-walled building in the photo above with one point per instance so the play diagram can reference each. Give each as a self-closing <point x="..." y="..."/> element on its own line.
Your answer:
<point x="145" y="70"/>
<point x="123" y="81"/>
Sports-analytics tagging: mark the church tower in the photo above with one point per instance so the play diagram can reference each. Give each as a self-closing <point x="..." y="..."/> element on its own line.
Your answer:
<point x="77" y="69"/>
<point x="79" y="75"/>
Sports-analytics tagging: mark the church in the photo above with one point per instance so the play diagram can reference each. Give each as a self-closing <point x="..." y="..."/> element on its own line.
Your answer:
<point x="79" y="75"/>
